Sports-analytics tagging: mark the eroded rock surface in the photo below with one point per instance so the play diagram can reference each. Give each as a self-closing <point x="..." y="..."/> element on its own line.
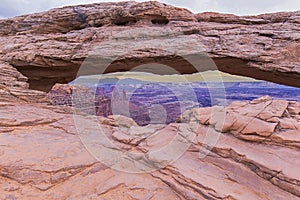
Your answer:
<point x="14" y="86"/>
<point x="49" y="47"/>
<point x="50" y="161"/>
<point x="42" y="156"/>
<point x="262" y="120"/>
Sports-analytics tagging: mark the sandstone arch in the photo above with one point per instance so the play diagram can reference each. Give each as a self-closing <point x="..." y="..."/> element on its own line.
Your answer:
<point x="49" y="47"/>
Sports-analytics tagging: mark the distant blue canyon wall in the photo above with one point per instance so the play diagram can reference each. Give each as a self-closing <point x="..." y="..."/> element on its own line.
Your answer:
<point x="153" y="102"/>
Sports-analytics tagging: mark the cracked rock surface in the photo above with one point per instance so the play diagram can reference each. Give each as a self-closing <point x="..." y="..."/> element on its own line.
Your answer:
<point x="42" y="155"/>
<point x="248" y="150"/>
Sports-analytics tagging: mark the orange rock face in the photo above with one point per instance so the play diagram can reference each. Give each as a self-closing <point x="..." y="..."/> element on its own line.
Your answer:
<point x="42" y="155"/>
<point x="248" y="150"/>
<point x="49" y="47"/>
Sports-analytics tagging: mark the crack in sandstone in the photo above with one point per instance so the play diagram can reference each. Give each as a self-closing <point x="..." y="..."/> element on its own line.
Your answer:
<point x="256" y="116"/>
<point x="259" y="169"/>
<point x="50" y="182"/>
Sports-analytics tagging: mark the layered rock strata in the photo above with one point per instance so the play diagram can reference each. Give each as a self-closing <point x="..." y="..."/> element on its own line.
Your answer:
<point x="49" y="47"/>
<point x="256" y="154"/>
<point x="248" y="161"/>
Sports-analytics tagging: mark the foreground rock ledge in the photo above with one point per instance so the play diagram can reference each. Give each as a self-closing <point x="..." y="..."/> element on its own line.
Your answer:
<point x="49" y="47"/>
<point x="255" y="157"/>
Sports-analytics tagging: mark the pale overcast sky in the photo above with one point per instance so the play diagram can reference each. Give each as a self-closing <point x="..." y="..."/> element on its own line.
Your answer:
<point x="10" y="8"/>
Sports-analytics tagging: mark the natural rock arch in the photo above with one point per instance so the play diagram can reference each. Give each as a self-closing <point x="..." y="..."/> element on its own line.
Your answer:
<point x="263" y="47"/>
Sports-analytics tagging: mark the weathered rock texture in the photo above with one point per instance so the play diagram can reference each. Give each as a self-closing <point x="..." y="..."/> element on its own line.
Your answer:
<point x="49" y="47"/>
<point x="14" y="86"/>
<point x="42" y="156"/>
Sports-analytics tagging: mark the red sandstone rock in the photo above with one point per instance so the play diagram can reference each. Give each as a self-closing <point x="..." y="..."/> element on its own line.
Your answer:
<point x="238" y="167"/>
<point x="14" y="87"/>
<point x="262" y="120"/>
<point x="49" y="47"/>
<point x="42" y="155"/>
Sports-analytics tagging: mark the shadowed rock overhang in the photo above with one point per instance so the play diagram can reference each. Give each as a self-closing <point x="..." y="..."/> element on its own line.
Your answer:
<point x="50" y="47"/>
